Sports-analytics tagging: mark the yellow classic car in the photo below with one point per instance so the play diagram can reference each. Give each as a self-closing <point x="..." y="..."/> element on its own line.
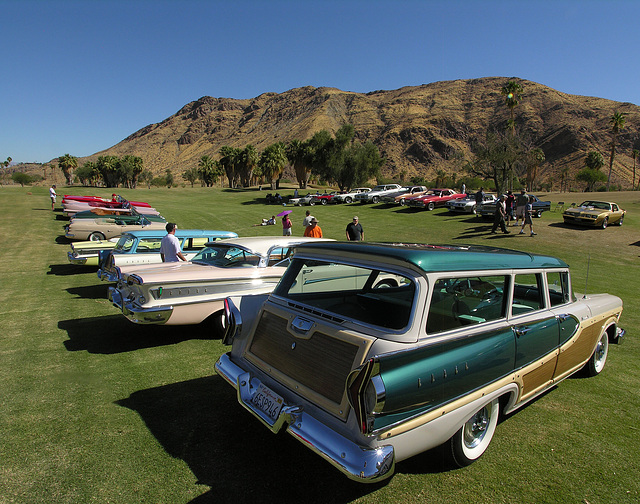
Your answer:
<point x="594" y="214"/>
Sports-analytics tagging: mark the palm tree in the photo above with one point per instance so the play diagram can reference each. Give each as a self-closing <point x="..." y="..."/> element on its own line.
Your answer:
<point x="67" y="164"/>
<point x="512" y="91"/>
<point x="300" y="155"/>
<point x="206" y="170"/>
<point x="248" y="160"/>
<point x="535" y="158"/>
<point x="229" y="161"/>
<point x="634" y="154"/>
<point x="272" y="161"/>
<point x="564" y="179"/>
<point x="617" y="123"/>
<point x="594" y="160"/>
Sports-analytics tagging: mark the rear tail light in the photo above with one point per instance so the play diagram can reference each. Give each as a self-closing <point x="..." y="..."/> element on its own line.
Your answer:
<point x="231" y="321"/>
<point x="366" y="394"/>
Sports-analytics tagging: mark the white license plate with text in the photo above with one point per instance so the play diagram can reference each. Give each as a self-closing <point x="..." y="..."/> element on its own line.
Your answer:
<point x="267" y="401"/>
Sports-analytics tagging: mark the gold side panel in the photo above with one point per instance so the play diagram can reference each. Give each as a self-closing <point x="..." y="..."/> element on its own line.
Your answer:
<point x="537" y="376"/>
<point x="578" y="349"/>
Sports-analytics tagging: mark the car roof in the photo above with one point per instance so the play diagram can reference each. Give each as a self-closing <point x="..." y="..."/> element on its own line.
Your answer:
<point x="435" y="258"/>
<point x="181" y="233"/>
<point x="262" y="244"/>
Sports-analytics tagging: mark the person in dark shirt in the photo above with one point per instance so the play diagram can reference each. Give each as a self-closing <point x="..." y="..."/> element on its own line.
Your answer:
<point x="354" y="230"/>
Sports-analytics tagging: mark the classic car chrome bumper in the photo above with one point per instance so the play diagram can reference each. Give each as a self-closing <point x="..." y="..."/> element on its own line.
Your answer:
<point x="136" y="314"/>
<point x="106" y="275"/>
<point x="359" y="463"/>
<point x="76" y="260"/>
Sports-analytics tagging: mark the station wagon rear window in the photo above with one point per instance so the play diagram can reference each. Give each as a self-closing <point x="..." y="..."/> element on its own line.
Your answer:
<point x="368" y="295"/>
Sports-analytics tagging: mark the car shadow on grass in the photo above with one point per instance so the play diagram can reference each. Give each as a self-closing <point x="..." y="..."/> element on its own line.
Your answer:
<point x="63" y="240"/>
<point x="201" y="422"/>
<point x="115" y="334"/>
<point x="70" y="269"/>
<point x="96" y="291"/>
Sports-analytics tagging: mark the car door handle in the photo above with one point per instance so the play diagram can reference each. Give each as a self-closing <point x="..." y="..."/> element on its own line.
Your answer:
<point x="563" y="316"/>
<point x="520" y="330"/>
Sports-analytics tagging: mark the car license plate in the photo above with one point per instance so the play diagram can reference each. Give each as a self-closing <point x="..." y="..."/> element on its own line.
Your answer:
<point x="267" y="401"/>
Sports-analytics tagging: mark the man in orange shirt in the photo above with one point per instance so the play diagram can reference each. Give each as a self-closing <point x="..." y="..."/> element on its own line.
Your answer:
<point x="313" y="230"/>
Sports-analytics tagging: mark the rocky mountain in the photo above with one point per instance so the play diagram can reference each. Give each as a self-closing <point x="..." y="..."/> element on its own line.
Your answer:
<point x="418" y="129"/>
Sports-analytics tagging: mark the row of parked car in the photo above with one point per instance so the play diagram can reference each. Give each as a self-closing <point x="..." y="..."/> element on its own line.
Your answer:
<point x="589" y="213"/>
<point x="368" y="353"/>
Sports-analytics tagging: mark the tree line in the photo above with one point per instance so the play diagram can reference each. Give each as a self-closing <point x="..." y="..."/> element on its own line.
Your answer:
<point x="335" y="159"/>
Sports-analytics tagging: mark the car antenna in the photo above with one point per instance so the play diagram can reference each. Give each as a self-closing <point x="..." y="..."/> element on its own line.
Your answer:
<point x="587" y="280"/>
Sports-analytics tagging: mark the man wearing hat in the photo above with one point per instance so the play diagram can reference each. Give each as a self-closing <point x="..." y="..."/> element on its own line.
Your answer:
<point x="313" y="230"/>
<point x="355" y="231"/>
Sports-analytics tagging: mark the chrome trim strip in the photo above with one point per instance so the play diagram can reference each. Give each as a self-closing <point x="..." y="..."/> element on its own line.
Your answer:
<point x="359" y="463"/>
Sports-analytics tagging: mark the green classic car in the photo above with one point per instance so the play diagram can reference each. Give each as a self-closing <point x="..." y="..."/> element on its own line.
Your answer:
<point x="594" y="214"/>
<point x="369" y="354"/>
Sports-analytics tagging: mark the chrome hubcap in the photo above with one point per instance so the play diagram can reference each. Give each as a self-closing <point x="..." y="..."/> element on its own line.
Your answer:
<point x="476" y="428"/>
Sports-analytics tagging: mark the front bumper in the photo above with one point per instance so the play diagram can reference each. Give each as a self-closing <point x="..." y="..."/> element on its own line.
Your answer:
<point x="359" y="463"/>
<point x="138" y="314"/>
<point x="582" y="221"/>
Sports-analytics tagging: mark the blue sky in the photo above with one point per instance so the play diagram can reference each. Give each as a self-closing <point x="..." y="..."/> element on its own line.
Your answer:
<point x="80" y="76"/>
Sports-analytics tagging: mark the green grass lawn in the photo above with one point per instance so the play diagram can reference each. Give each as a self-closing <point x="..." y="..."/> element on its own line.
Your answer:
<point x="96" y="409"/>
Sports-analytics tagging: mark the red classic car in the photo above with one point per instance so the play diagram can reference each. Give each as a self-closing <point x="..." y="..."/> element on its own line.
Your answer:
<point x="434" y="198"/>
<point x="96" y="199"/>
<point x="325" y="198"/>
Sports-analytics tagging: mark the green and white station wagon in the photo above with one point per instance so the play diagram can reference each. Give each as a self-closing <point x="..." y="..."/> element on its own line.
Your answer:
<point x="369" y="354"/>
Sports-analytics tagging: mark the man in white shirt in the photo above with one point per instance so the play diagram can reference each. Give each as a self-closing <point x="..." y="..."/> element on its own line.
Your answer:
<point x="170" y="245"/>
<point x="52" y="195"/>
<point x="307" y="219"/>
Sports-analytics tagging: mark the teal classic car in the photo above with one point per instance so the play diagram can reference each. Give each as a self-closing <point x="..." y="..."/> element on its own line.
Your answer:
<point x="371" y="353"/>
<point x="143" y="247"/>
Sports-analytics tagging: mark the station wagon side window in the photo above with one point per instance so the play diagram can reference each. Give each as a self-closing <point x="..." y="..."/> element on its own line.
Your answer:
<point x="461" y="301"/>
<point x="278" y="256"/>
<point x="147" y="245"/>
<point x="558" y="286"/>
<point x="527" y="293"/>
<point x="194" y="244"/>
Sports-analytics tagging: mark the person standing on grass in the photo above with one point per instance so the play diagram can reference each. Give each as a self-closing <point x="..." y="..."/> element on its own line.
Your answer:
<point x="313" y="230"/>
<point x="354" y="230"/>
<point x="170" y="246"/>
<point x="528" y="217"/>
<point x="307" y="219"/>
<point x="521" y="201"/>
<point x="52" y="195"/>
<point x="499" y="216"/>
<point x="286" y="225"/>
<point x="511" y="207"/>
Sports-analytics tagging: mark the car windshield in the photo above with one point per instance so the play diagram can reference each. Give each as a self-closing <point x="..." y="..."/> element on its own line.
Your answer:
<point x="125" y="243"/>
<point x="367" y="295"/>
<point x="227" y="256"/>
<point x="600" y="205"/>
